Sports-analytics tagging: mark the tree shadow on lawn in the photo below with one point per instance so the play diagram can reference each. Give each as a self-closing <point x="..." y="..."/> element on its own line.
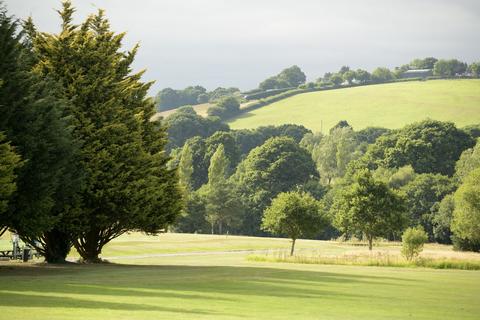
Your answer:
<point x="209" y="283"/>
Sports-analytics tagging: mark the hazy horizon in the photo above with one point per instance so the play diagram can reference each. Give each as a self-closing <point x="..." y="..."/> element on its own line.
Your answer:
<point x="240" y="43"/>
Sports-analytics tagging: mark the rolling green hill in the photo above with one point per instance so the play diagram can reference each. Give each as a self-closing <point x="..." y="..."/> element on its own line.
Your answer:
<point x="387" y="105"/>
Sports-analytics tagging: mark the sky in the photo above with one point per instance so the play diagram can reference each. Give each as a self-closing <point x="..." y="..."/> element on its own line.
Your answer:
<point x="239" y="43"/>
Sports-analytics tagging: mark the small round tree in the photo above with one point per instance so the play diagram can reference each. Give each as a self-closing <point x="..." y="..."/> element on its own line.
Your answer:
<point x="413" y="240"/>
<point x="368" y="206"/>
<point x="295" y="214"/>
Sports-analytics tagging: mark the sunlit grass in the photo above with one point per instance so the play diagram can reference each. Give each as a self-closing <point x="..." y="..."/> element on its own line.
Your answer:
<point x="377" y="259"/>
<point x="222" y="285"/>
<point x="387" y="105"/>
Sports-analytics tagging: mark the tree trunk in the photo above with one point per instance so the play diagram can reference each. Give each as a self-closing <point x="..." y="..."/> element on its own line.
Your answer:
<point x="293" y="247"/>
<point x="57" y="246"/>
<point x="220" y="227"/>
<point x="370" y="242"/>
<point x="90" y="246"/>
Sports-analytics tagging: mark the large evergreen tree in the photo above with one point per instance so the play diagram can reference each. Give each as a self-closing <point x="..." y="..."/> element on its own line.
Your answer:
<point x="128" y="186"/>
<point x="43" y="207"/>
<point x="9" y="161"/>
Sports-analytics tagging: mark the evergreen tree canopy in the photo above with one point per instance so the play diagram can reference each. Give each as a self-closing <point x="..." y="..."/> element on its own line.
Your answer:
<point x="33" y="119"/>
<point x="128" y="186"/>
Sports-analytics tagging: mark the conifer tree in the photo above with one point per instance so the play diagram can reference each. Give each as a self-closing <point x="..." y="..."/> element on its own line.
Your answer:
<point x="43" y="207"/>
<point x="9" y="161"/>
<point x="223" y="207"/>
<point x="128" y="186"/>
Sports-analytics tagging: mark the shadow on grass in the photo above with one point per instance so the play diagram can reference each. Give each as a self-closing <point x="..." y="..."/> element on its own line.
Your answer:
<point x="49" y="286"/>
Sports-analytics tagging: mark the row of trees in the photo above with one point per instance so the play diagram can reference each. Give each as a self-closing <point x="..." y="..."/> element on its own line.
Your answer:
<point x="415" y="170"/>
<point x="294" y="77"/>
<point x="169" y="98"/>
<point x="81" y="162"/>
<point x="443" y="68"/>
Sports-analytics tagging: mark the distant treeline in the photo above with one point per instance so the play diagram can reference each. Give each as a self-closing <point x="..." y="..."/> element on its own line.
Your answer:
<point x="169" y="98"/>
<point x="292" y="81"/>
<point x="232" y="176"/>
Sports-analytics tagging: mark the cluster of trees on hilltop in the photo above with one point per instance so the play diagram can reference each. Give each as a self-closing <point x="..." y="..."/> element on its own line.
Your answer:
<point x="293" y="78"/>
<point x="417" y="172"/>
<point x="80" y="160"/>
<point x="169" y="98"/>
<point x="440" y="68"/>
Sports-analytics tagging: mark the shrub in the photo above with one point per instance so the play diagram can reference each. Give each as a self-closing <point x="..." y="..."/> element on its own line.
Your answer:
<point x="413" y="240"/>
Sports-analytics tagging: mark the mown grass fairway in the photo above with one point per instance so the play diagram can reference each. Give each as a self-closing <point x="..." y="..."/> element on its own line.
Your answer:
<point x="387" y="105"/>
<point x="227" y="286"/>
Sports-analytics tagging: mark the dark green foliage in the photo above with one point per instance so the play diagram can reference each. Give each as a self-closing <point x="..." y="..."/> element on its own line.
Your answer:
<point x="429" y="147"/>
<point x="288" y="78"/>
<point x="128" y="186"/>
<point x="466" y="215"/>
<point x="247" y="139"/>
<point x="369" y="207"/>
<point x="442" y="219"/>
<point x="380" y="75"/>
<point x="422" y="193"/>
<point x="9" y="162"/>
<point x="185" y="124"/>
<point x="336" y="79"/>
<point x="223" y="206"/>
<point x="279" y="165"/>
<point x="46" y="199"/>
<point x="193" y="216"/>
<point x="426" y="63"/>
<point x="294" y="214"/>
<point x="200" y="162"/>
<point x="474" y="69"/>
<point x="231" y="149"/>
<point x="349" y="76"/>
<point x="370" y="134"/>
<point x="449" y="68"/>
<point x="469" y="161"/>
<point x="362" y="76"/>
<point x="339" y="125"/>
<point x="225" y="108"/>
<point x="473" y="130"/>
<point x="221" y="93"/>
<point x="169" y="98"/>
<point x="265" y="94"/>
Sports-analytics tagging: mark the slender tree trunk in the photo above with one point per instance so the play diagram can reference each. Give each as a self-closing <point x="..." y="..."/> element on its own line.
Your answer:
<point x="370" y="242"/>
<point x="57" y="246"/>
<point x="220" y="227"/>
<point x="293" y="247"/>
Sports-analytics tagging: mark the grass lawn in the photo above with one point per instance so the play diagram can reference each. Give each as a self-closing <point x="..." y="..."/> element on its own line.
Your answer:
<point x="388" y="105"/>
<point x="227" y="286"/>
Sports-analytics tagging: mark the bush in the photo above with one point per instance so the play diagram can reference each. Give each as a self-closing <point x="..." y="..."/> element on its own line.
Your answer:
<point x="413" y="240"/>
<point x="265" y="94"/>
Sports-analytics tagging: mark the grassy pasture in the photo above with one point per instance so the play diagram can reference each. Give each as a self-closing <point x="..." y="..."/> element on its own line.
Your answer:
<point x="227" y="286"/>
<point x="390" y="105"/>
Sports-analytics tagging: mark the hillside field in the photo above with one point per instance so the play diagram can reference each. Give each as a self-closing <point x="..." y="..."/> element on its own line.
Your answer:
<point x="182" y="276"/>
<point x="385" y="105"/>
